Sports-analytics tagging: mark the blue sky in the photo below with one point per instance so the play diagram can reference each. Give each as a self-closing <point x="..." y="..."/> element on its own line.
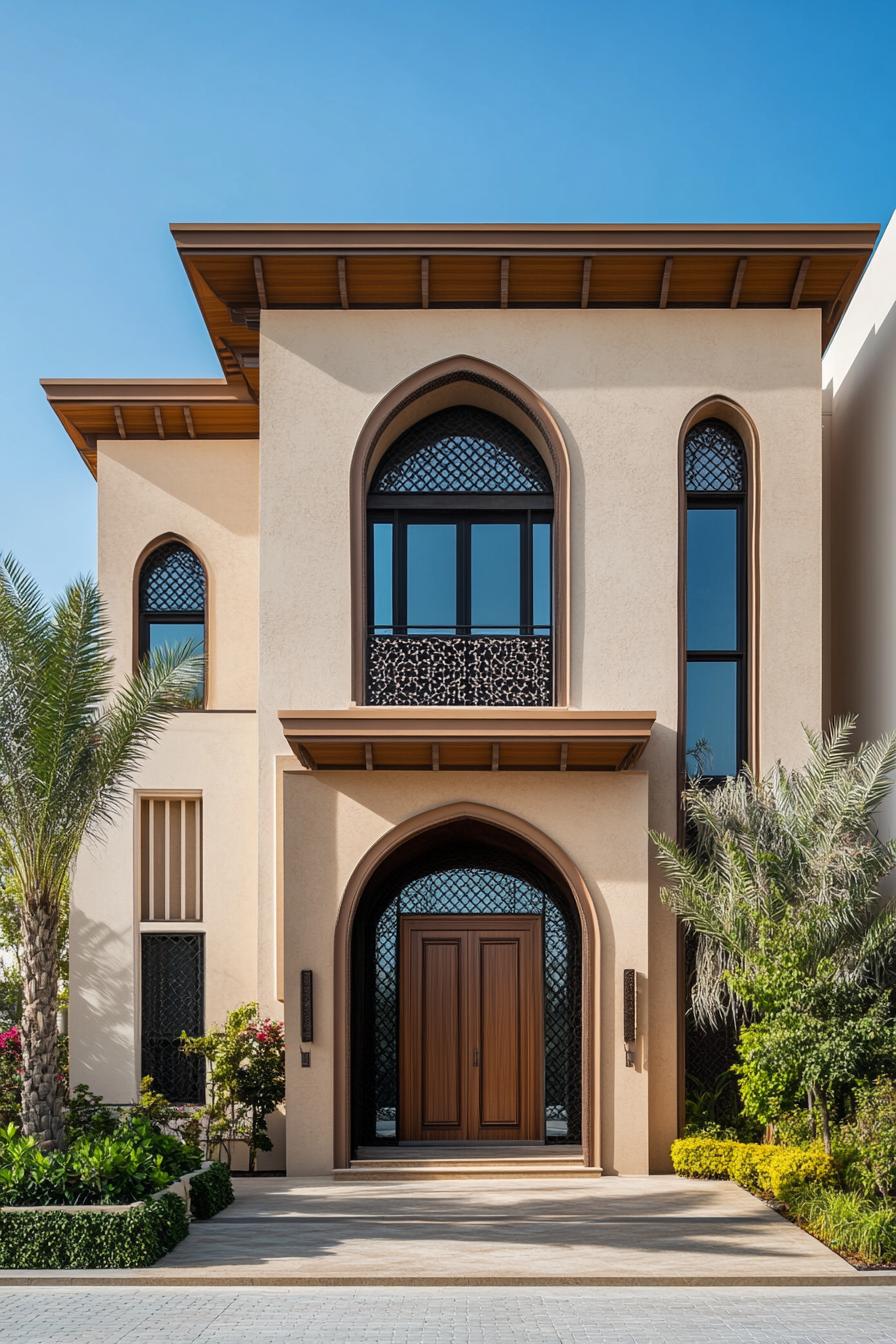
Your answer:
<point x="118" y="118"/>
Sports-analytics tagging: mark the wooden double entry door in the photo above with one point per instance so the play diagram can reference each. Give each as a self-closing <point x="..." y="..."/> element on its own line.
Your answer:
<point x="471" y="1025"/>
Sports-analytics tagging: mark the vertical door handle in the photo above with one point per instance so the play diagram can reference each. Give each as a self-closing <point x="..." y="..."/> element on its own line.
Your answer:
<point x="475" y="1056"/>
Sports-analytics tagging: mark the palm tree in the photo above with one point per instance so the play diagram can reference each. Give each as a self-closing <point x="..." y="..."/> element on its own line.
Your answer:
<point x="68" y="747"/>
<point x="794" y="849"/>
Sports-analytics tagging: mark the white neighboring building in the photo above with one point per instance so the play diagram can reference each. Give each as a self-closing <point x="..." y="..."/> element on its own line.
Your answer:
<point x="859" y="378"/>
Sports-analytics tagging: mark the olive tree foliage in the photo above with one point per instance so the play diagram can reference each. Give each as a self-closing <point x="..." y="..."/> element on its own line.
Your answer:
<point x="792" y="858"/>
<point x="71" y="740"/>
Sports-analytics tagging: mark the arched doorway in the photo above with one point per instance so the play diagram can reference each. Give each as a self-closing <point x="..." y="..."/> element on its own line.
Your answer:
<point x="467" y="997"/>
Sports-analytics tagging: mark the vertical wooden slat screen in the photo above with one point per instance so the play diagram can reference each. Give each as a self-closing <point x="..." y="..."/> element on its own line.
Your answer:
<point x="170" y="859"/>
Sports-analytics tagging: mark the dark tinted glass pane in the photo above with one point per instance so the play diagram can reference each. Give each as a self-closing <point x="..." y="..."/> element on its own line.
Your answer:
<point x="711" y="725"/>
<point x="712" y="579"/>
<point x="495" y="577"/>
<point x="173" y="635"/>
<point x="382" y="575"/>
<point x="541" y="577"/>
<point x="432" y="578"/>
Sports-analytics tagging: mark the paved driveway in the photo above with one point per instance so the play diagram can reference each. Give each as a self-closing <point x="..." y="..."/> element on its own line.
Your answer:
<point x="494" y="1231"/>
<point x="448" y="1316"/>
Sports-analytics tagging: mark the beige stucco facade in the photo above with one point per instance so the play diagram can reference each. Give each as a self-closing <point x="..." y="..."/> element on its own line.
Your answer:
<point x="271" y="522"/>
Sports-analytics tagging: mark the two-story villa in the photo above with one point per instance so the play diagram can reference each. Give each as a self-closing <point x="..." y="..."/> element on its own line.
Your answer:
<point x="491" y="535"/>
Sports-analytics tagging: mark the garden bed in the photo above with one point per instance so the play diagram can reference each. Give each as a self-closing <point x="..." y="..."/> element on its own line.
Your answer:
<point x="111" y="1236"/>
<point x="803" y="1185"/>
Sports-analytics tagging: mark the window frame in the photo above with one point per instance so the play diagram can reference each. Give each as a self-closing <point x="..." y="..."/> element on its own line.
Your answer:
<point x="462" y="512"/>
<point x="144" y="617"/>
<point x="734" y="501"/>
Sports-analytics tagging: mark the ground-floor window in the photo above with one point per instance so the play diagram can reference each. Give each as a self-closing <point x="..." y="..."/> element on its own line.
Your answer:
<point x="172" y="1001"/>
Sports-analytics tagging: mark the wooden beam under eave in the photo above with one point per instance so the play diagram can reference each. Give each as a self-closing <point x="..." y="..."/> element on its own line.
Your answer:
<point x="738" y="282"/>
<point x="435" y="756"/>
<point x="665" y="282"/>
<point x="188" y="421"/>
<point x="119" y="421"/>
<point x="424" y="282"/>
<point x="343" y="281"/>
<point x="258" y="267"/>
<point x="564" y="753"/>
<point x="505" y="281"/>
<point x="160" y="427"/>
<point x="586" y="282"/>
<point x="799" y="282"/>
<point x="496" y="755"/>
<point x="307" y="760"/>
<point x="368" y="756"/>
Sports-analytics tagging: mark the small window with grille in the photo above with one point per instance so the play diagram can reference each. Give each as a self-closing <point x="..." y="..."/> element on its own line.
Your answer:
<point x="170" y="858"/>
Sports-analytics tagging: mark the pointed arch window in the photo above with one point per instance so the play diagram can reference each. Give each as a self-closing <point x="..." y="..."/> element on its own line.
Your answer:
<point x="460" y="517"/>
<point x="715" y="482"/>
<point x="172" y="602"/>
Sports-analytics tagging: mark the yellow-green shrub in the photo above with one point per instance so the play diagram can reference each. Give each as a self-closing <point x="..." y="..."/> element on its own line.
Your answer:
<point x="763" y="1168"/>
<point x="703" y="1158"/>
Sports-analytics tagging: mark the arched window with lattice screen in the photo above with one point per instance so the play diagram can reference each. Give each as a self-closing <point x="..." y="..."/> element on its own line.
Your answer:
<point x="459" y="518"/>
<point x="716" y="615"/>
<point x="172" y="607"/>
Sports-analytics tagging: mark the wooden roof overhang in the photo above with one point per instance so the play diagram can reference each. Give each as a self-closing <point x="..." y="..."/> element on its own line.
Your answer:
<point x="237" y="270"/>
<point x="367" y="738"/>
<point x="150" y="408"/>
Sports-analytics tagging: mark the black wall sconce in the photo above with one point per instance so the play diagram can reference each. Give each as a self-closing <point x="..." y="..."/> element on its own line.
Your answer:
<point x="307" y="1014"/>
<point x="629" y="1016"/>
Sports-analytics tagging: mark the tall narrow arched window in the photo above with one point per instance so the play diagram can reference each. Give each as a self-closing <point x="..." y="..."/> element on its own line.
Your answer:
<point x="715" y="481"/>
<point x="459" y="520"/>
<point x="172" y="607"/>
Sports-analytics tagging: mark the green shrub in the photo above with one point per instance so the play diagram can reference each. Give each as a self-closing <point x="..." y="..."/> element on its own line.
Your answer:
<point x="129" y="1164"/>
<point x="703" y="1158"/>
<point x="861" y="1228"/>
<point x="871" y="1136"/>
<point x="51" y="1239"/>
<point x="763" y="1168"/>
<point x="211" y="1191"/>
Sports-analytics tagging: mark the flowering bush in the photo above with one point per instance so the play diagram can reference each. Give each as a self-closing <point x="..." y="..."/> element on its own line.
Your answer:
<point x="10" y="1076"/>
<point x="246" y="1074"/>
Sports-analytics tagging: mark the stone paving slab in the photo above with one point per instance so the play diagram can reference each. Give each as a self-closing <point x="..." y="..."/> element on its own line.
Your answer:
<point x="447" y="1316"/>
<point x="615" y="1230"/>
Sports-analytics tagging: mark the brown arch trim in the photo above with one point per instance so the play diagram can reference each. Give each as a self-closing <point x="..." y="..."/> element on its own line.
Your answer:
<point x="569" y="877"/>
<point x="144" y="555"/>
<point x="443" y="383"/>
<point x="720" y="407"/>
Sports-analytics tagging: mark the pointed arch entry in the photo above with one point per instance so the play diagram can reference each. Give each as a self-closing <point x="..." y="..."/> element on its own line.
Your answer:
<point x="414" y="837"/>
<point x="461" y="380"/>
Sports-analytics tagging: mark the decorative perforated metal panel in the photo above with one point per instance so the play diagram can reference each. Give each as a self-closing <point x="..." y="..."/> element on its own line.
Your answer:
<point x="172" y="994"/>
<point x="462" y="450"/>
<point x="477" y="890"/>
<point x="459" y="670"/>
<point x="714" y="459"/>
<point x="172" y="580"/>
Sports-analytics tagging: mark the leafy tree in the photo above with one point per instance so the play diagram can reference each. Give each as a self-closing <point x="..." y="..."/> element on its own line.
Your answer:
<point x="68" y="748"/>
<point x="780" y="882"/>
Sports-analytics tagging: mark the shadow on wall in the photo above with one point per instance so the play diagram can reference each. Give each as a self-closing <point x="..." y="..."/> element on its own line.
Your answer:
<point x="101" y="1014"/>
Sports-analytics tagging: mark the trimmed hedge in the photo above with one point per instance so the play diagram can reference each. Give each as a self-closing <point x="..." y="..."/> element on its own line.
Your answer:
<point x="211" y="1191"/>
<point x="763" y="1168"/>
<point x="51" y="1239"/>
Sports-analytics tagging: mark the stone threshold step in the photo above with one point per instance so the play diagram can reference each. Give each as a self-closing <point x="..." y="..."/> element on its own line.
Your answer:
<point x="470" y="1171"/>
<point x="521" y="1164"/>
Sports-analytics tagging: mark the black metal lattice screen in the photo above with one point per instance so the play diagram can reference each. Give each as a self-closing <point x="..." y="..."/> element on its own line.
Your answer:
<point x="476" y="890"/>
<point x="462" y="450"/>
<point x="459" y="670"/>
<point x="172" y="994"/>
<point x="714" y="459"/>
<point x="172" y="580"/>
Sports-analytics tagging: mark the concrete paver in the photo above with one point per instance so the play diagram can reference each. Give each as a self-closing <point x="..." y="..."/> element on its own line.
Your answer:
<point x="448" y="1316"/>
